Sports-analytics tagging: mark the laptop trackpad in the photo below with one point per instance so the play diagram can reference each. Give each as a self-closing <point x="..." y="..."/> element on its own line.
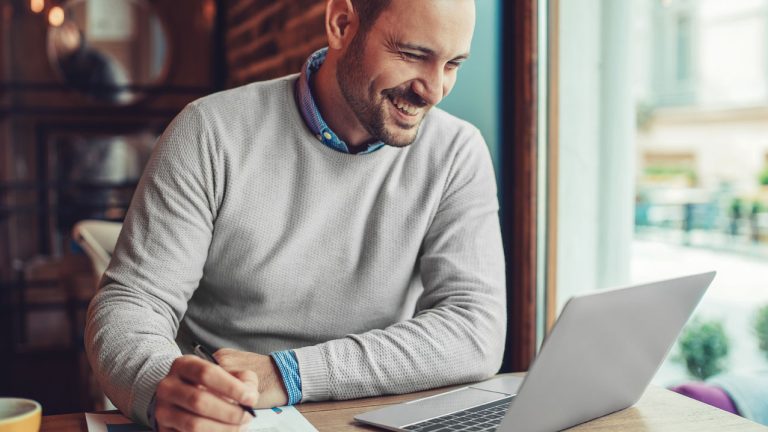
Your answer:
<point x="506" y="384"/>
<point x="435" y="406"/>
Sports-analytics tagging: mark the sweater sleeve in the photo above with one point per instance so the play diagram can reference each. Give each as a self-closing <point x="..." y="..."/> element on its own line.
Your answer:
<point x="156" y="267"/>
<point x="457" y="333"/>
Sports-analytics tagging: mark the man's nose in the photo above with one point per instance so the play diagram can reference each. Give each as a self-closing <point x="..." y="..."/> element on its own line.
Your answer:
<point x="431" y="85"/>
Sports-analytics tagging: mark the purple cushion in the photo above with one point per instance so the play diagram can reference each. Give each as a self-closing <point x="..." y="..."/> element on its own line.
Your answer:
<point x="708" y="394"/>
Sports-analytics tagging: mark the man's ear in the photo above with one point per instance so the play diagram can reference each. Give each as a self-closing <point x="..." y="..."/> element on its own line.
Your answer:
<point x="341" y="23"/>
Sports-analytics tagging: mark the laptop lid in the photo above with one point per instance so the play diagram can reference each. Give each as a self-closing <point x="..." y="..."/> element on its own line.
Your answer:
<point x="602" y="353"/>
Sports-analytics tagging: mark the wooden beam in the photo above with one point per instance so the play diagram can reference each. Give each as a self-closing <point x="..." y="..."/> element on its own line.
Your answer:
<point x="518" y="177"/>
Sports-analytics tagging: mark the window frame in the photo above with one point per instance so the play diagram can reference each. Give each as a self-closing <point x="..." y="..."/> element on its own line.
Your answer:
<point x="519" y="171"/>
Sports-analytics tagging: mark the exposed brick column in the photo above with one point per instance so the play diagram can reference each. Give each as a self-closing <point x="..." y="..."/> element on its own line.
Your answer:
<point x="271" y="38"/>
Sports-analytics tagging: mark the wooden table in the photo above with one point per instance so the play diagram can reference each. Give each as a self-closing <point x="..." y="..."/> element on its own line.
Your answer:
<point x="658" y="410"/>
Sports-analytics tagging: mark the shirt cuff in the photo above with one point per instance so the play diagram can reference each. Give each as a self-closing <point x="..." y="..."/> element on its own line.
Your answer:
<point x="289" y="369"/>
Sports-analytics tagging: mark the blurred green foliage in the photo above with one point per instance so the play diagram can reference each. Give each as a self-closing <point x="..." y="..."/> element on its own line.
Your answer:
<point x="761" y="327"/>
<point x="763" y="176"/>
<point x="703" y="348"/>
<point x="671" y="171"/>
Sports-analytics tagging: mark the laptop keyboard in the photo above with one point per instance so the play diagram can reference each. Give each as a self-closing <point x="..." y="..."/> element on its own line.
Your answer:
<point x="482" y="418"/>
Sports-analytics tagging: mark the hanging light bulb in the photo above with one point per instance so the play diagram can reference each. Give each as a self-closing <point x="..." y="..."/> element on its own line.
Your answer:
<point x="36" y="6"/>
<point x="56" y="16"/>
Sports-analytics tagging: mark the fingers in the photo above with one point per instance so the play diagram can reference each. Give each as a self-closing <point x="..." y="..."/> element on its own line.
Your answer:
<point x="199" y="396"/>
<point x="257" y="372"/>
<point x="193" y="399"/>
<point x="171" y="418"/>
<point x="215" y="379"/>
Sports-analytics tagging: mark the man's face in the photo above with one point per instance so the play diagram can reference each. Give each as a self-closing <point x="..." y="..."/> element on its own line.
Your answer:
<point x="405" y="64"/>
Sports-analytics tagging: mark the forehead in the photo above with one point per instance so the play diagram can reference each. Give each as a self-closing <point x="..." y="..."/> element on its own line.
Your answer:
<point x="445" y="26"/>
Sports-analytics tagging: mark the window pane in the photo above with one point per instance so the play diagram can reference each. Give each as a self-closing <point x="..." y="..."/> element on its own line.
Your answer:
<point x="663" y="160"/>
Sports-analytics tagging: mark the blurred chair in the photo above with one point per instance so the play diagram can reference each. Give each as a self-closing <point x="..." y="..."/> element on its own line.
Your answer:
<point x="745" y="394"/>
<point x="707" y="393"/>
<point x="98" y="239"/>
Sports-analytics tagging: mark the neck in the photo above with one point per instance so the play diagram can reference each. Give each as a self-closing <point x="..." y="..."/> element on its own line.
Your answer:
<point x="334" y="108"/>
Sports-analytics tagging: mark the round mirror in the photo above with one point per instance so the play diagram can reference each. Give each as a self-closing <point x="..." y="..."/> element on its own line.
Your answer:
<point x="109" y="49"/>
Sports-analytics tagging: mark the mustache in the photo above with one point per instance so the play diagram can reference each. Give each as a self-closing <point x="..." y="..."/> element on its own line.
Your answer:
<point x="407" y="94"/>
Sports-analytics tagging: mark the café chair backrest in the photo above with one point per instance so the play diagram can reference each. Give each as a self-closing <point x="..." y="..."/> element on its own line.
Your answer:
<point x="97" y="238"/>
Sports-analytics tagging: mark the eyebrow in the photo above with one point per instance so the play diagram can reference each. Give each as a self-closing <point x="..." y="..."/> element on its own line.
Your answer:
<point x="429" y="51"/>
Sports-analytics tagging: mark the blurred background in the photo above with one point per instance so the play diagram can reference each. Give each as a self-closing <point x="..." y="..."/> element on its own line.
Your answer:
<point x="660" y="114"/>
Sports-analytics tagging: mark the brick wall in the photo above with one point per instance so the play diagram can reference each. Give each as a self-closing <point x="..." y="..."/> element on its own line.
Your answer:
<point x="271" y="38"/>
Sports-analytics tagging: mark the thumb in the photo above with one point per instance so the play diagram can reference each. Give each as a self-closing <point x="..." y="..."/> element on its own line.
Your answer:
<point x="250" y="379"/>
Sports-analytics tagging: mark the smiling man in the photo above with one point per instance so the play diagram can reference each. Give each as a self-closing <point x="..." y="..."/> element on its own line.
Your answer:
<point x="331" y="234"/>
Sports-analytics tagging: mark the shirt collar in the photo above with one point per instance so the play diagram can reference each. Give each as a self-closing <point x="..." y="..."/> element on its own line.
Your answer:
<point x="311" y="114"/>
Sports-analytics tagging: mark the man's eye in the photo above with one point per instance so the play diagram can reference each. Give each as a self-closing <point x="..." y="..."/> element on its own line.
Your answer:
<point x="412" y="56"/>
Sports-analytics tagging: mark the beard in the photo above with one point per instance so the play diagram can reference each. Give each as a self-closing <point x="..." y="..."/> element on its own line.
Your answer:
<point x="370" y="108"/>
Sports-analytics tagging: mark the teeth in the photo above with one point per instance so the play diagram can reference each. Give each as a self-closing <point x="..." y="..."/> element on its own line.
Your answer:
<point x="404" y="106"/>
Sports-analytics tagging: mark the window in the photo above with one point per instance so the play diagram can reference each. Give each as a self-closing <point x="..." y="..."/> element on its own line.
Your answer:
<point x="683" y="48"/>
<point x="662" y="171"/>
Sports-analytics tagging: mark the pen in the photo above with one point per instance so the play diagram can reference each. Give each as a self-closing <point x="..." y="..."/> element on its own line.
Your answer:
<point x="204" y="354"/>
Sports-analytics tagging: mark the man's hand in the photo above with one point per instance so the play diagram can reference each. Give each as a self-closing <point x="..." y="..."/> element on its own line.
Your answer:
<point x="197" y="395"/>
<point x="272" y="391"/>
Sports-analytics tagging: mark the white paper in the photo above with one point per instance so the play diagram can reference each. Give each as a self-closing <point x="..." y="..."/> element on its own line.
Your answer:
<point x="288" y="419"/>
<point x="283" y="419"/>
<point x="112" y="423"/>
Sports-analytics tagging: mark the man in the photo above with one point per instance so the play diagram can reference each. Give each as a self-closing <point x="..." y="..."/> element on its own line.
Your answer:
<point x="332" y="233"/>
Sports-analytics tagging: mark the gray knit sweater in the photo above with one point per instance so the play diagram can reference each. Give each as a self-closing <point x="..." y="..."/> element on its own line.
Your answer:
<point x="384" y="272"/>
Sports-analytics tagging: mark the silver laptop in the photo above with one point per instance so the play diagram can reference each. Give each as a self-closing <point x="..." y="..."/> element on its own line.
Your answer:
<point x="600" y="356"/>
